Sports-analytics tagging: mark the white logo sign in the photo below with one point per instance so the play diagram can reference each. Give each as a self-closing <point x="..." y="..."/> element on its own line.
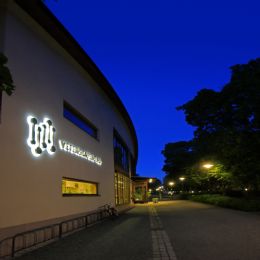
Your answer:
<point x="68" y="147"/>
<point x="41" y="136"/>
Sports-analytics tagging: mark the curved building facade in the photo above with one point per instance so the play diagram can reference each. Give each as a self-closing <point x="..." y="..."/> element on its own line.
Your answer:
<point x="68" y="145"/>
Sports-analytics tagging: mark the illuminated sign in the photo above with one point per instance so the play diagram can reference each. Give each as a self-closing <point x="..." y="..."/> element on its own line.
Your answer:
<point x="70" y="148"/>
<point x="41" y="136"/>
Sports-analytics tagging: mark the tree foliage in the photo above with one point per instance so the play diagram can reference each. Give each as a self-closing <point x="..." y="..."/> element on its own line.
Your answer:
<point x="227" y="126"/>
<point x="177" y="156"/>
<point x="6" y="81"/>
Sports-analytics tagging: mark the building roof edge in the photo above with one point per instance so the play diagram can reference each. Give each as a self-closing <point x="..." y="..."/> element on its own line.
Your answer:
<point x="46" y="19"/>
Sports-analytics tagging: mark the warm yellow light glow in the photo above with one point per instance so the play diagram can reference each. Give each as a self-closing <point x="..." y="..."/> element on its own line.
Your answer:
<point x="159" y="188"/>
<point x="182" y="178"/>
<point x="246" y="189"/>
<point x="150" y="180"/>
<point x="74" y="187"/>
<point x="171" y="183"/>
<point x="207" y="165"/>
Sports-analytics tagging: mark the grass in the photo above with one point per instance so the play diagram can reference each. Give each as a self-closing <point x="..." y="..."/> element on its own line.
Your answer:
<point x="228" y="202"/>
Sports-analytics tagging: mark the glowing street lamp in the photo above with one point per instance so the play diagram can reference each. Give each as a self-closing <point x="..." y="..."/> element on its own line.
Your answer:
<point x="182" y="178"/>
<point x="207" y="165"/>
<point x="159" y="188"/>
<point x="171" y="183"/>
<point x="150" y="180"/>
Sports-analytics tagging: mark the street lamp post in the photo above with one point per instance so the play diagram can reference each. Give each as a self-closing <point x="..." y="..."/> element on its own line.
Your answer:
<point x="171" y="184"/>
<point x="182" y="179"/>
<point x="159" y="189"/>
<point x="208" y="166"/>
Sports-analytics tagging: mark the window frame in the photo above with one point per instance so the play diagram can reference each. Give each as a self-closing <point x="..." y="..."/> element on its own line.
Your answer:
<point x="121" y="141"/>
<point x="82" y="118"/>
<point x="79" y="194"/>
<point x="122" y="187"/>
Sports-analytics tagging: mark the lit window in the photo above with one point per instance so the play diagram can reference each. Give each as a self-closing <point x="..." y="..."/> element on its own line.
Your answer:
<point x="122" y="189"/>
<point x="71" y="187"/>
<point x="79" y="120"/>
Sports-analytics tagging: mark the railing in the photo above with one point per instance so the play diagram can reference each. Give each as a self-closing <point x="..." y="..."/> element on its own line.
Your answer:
<point x="25" y="241"/>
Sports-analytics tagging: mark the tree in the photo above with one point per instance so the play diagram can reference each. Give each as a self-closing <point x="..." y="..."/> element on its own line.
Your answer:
<point x="179" y="159"/>
<point x="228" y="123"/>
<point x="178" y="156"/>
<point x="183" y="160"/>
<point x="6" y="81"/>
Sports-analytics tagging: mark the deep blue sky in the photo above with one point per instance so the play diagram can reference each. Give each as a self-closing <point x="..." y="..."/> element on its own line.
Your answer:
<point x="158" y="54"/>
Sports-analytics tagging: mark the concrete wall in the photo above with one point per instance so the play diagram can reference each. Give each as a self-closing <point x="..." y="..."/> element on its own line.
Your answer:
<point x="45" y="75"/>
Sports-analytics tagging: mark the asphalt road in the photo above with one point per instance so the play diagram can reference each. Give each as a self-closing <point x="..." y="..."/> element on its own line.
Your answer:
<point x="192" y="230"/>
<point x="202" y="232"/>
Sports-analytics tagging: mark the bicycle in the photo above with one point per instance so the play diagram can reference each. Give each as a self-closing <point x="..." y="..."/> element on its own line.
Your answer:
<point x="111" y="211"/>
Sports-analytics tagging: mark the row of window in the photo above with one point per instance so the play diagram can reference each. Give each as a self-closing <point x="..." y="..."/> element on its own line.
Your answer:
<point x="71" y="187"/>
<point x="74" y="187"/>
<point x="122" y="172"/>
<point x="121" y="152"/>
<point x="122" y="189"/>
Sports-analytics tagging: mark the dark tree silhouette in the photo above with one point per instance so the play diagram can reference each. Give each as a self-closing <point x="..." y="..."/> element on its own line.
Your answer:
<point x="6" y="81"/>
<point x="227" y="125"/>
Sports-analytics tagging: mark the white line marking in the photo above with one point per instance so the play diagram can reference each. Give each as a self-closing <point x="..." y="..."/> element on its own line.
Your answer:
<point x="162" y="247"/>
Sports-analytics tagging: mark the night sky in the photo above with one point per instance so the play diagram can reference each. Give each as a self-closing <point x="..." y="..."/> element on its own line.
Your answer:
<point x="158" y="54"/>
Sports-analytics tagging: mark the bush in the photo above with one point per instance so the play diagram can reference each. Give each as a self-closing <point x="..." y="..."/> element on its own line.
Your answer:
<point x="234" y="193"/>
<point x="184" y="196"/>
<point x="228" y="202"/>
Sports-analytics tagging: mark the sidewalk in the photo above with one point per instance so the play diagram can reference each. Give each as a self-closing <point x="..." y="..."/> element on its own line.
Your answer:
<point x="126" y="237"/>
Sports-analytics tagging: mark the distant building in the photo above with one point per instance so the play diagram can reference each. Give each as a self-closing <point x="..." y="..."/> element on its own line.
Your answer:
<point x="68" y="145"/>
<point x="143" y="187"/>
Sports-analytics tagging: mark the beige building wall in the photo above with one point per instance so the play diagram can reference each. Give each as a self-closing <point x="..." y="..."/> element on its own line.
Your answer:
<point x="45" y="75"/>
